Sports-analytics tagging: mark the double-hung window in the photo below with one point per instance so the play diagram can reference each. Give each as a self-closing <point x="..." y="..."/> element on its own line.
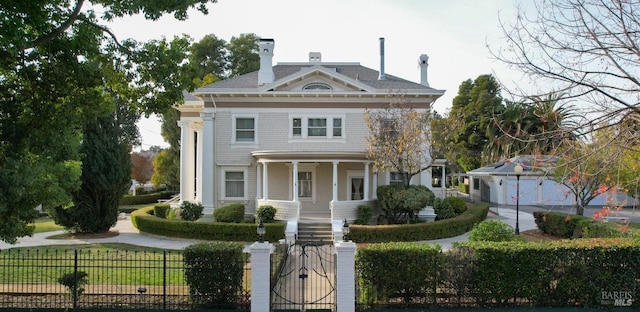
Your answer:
<point x="234" y="184"/>
<point x="317" y="127"/>
<point x="396" y="178"/>
<point x="245" y="129"/>
<point x="337" y="127"/>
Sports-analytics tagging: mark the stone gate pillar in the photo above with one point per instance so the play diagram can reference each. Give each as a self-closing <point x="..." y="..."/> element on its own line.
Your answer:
<point x="345" y="276"/>
<point x="261" y="276"/>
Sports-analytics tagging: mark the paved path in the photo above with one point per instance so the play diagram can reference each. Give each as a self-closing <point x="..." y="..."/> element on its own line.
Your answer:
<point x="130" y="235"/>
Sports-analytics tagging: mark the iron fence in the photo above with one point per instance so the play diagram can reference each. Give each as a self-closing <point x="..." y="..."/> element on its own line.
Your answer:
<point x="88" y="278"/>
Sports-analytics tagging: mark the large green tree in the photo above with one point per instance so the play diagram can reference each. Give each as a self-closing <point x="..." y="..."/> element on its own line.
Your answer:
<point x="55" y="59"/>
<point x="472" y="112"/>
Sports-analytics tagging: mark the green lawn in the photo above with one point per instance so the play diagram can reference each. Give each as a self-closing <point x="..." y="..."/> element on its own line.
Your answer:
<point x="43" y="225"/>
<point x="108" y="263"/>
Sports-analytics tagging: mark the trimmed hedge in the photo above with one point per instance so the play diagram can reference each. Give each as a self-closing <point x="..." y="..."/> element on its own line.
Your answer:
<point x="567" y="273"/>
<point x="149" y="198"/>
<point x="214" y="272"/>
<point x="556" y="274"/>
<point x="239" y="232"/>
<point x="420" y="231"/>
<point x="391" y="270"/>
<point x="160" y="210"/>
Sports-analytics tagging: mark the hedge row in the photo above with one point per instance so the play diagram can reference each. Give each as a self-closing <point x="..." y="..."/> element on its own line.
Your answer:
<point x="575" y="226"/>
<point x="239" y="232"/>
<point x="568" y="273"/>
<point x="145" y="198"/>
<point x="420" y="231"/>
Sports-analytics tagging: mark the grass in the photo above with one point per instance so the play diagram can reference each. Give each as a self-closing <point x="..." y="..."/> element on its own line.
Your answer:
<point x="108" y="263"/>
<point x="43" y="225"/>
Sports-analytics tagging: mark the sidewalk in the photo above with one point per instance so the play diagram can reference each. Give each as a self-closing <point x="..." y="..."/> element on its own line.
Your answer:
<point x="130" y="235"/>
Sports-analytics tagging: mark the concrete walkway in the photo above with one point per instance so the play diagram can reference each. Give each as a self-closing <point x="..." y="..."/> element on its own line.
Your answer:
<point x="130" y="235"/>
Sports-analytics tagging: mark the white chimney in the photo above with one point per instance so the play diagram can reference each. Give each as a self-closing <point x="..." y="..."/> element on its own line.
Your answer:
<point x="424" y="63"/>
<point x="382" y="75"/>
<point x="315" y="57"/>
<point x="265" y="74"/>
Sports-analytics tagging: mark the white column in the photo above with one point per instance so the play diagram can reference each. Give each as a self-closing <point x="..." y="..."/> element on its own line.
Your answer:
<point x="207" y="153"/>
<point x="198" y="169"/>
<point x="258" y="182"/>
<point x="374" y="189"/>
<point x="265" y="181"/>
<point x="260" y="276"/>
<point x="366" y="181"/>
<point x="335" y="181"/>
<point x="345" y="275"/>
<point x="295" y="181"/>
<point x="186" y="161"/>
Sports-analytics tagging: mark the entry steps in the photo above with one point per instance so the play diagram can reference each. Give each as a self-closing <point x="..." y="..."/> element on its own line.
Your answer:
<point x="316" y="232"/>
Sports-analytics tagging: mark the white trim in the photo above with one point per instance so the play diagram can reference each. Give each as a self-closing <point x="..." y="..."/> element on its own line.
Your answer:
<point x="249" y="144"/>
<point x="223" y="180"/>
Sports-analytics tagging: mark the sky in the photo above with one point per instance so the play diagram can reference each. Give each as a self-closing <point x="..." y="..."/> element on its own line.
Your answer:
<point x="454" y="34"/>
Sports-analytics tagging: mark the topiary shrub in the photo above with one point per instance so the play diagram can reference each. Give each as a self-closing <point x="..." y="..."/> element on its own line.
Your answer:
<point x="214" y="272"/>
<point x="191" y="211"/>
<point x="400" y="204"/>
<point x="174" y="214"/>
<point x="364" y="214"/>
<point x="266" y="214"/>
<point x="458" y="204"/>
<point x="443" y="209"/>
<point x="230" y="213"/>
<point x="160" y="210"/>
<point x="492" y="231"/>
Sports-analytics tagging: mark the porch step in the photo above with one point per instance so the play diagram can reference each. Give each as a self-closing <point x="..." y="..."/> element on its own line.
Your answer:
<point x="315" y="232"/>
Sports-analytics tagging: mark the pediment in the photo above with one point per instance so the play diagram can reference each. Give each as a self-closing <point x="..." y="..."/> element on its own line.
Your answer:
<point x="317" y="79"/>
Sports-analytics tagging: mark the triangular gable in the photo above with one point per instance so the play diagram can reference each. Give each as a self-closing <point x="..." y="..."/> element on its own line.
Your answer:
<point x="316" y="73"/>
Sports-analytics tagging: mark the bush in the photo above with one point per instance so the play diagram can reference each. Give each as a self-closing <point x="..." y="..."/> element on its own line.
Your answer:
<point x="459" y="205"/>
<point x="160" y="210"/>
<point x="140" y="199"/>
<point x="214" y="272"/>
<point x="190" y="211"/>
<point x="364" y="214"/>
<point x="400" y="204"/>
<point x="443" y="209"/>
<point x="230" y="213"/>
<point x="560" y="224"/>
<point x="420" y="231"/>
<point x="266" y="214"/>
<point x="74" y="281"/>
<point x="492" y="231"/>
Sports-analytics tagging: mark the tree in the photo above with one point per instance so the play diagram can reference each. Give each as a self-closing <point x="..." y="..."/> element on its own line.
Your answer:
<point x="586" y="51"/>
<point x="166" y="164"/>
<point x="399" y="138"/>
<point x="106" y="176"/>
<point x="209" y="56"/>
<point x="243" y="54"/>
<point x="471" y="114"/>
<point x="55" y="59"/>
<point x="142" y="166"/>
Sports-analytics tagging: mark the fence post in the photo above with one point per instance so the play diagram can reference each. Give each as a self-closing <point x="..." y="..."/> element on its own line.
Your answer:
<point x="261" y="276"/>
<point x="75" y="279"/>
<point x="345" y="276"/>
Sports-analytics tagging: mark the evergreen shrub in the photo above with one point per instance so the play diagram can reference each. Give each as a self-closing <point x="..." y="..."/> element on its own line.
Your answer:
<point x="230" y="213"/>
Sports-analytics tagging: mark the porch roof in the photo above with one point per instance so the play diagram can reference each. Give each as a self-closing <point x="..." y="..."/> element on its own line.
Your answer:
<point x="316" y="156"/>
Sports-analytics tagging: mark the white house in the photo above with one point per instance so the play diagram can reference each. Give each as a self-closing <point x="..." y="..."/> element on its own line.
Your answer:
<point x="291" y="136"/>
<point x="496" y="183"/>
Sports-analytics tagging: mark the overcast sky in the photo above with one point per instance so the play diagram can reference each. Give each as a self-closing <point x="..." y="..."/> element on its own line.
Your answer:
<point x="453" y="33"/>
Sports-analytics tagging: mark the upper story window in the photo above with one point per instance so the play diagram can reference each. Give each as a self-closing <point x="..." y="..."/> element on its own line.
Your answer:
<point x="395" y="178"/>
<point x="244" y="129"/>
<point x="317" y="127"/>
<point x="317" y="86"/>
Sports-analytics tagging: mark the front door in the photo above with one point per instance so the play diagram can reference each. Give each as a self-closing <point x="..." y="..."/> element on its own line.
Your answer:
<point x="356" y="187"/>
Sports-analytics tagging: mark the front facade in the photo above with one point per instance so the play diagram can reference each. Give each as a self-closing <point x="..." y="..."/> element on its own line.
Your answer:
<point x="291" y="136"/>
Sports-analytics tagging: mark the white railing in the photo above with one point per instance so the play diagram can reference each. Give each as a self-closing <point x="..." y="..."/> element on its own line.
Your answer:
<point x="287" y="210"/>
<point x="348" y="209"/>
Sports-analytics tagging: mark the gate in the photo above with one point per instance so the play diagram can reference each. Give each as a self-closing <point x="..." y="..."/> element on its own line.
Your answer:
<point x="306" y="280"/>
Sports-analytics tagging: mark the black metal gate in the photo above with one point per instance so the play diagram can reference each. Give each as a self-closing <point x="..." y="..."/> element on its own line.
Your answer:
<point x="306" y="280"/>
